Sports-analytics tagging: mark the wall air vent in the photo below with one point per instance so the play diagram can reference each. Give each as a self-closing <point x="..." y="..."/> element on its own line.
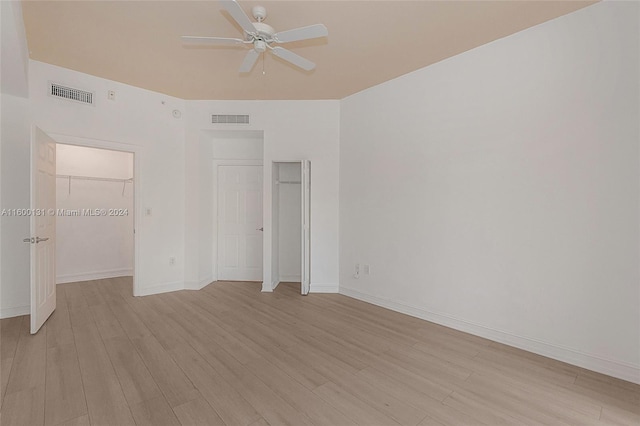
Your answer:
<point x="229" y="119"/>
<point x="64" y="92"/>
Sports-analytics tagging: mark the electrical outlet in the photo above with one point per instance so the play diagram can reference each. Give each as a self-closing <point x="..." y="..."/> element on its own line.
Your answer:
<point x="367" y="269"/>
<point x="172" y="261"/>
<point x="111" y="95"/>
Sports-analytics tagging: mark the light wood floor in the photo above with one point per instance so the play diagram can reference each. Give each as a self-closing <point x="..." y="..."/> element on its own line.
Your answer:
<point x="230" y="355"/>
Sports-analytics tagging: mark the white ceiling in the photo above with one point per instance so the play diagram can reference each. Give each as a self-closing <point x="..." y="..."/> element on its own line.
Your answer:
<point x="137" y="42"/>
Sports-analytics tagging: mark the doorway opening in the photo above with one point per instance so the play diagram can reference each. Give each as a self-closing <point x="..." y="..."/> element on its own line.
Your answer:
<point x="95" y="218"/>
<point x="290" y="237"/>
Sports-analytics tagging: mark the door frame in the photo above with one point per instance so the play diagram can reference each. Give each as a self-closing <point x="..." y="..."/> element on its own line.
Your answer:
<point x="137" y="154"/>
<point x="214" y="207"/>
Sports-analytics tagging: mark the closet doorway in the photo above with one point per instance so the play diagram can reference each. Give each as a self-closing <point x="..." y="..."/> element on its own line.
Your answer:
<point x="95" y="214"/>
<point x="291" y="218"/>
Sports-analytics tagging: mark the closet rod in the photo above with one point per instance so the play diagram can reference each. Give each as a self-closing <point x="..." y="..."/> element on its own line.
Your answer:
<point x="287" y="182"/>
<point x="94" y="178"/>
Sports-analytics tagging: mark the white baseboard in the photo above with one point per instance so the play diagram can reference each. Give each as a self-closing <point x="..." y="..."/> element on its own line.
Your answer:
<point x="324" y="288"/>
<point x="15" y="312"/>
<point x="198" y="285"/>
<point x="290" y="278"/>
<point x="90" y="276"/>
<point x="161" y="288"/>
<point x="620" y="370"/>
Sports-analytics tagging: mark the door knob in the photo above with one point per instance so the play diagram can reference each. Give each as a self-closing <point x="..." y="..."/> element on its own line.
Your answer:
<point x="260" y="229"/>
<point x="38" y="239"/>
<point x="29" y="240"/>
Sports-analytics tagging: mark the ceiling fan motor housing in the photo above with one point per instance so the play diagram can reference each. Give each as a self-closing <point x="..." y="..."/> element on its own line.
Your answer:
<point x="264" y="31"/>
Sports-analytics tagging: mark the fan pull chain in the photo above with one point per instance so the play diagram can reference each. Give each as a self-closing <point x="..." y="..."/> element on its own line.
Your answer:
<point x="263" y="59"/>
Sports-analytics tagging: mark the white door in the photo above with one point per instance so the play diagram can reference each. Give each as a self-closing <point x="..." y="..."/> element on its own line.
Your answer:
<point x="240" y="223"/>
<point x="306" y="226"/>
<point x="43" y="228"/>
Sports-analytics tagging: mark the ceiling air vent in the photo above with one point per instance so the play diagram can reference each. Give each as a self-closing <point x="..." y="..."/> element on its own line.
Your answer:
<point x="64" y="92"/>
<point x="229" y="119"/>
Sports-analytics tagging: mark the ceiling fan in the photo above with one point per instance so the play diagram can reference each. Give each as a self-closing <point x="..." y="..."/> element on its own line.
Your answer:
<point x="262" y="37"/>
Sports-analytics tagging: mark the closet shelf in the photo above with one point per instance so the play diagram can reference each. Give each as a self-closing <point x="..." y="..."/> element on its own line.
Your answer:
<point x="94" y="178"/>
<point x="124" y="182"/>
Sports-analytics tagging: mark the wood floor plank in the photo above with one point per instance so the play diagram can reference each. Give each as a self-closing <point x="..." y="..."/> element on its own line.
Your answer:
<point x="478" y="410"/>
<point x="24" y="407"/>
<point x="78" y="421"/>
<point x="64" y="391"/>
<point x="171" y="380"/>
<point x="154" y="412"/>
<point x="260" y="422"/>
<point x="59" y="331"/>
<point x="106" y="402"/>
<point x="266" y="402"/>
<point x="198" y="412"/>
<point x="29" y="363"/>
<point x="223" y="397"/>
<point x="402" y="391"/>
<point x="526" y="402"/>
<point x="616" y="416"/>
<point x="299" y="397"/>
<point x="9" y="336"/>
<point x="136" y="381"/>
<point x="357" y="410"/>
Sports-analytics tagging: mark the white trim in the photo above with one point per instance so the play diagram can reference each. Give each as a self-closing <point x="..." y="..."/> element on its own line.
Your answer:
<point x="161" y="288"/>
<point x="268" y="289"/>
<point x="90" y="276"/>
<point x="198" y="285"/>
<point x="275" y="284"/>
<point x="324" y="288"/>
<point x="290" y="278"/>
<point x="137" y="214"/>
<point x="15" y="312"/>
<point x="620" y="370"/>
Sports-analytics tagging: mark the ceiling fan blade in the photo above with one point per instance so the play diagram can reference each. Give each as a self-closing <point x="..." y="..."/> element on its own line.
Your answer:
<point x="303" y="33"/>
<point x="295" y="59"/>
<point x="235" y="10"/>
<point x="213" y="41"/>
<point x="249" y="61"/>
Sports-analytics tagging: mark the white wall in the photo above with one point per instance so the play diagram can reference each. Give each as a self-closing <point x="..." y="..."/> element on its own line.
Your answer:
<point x="140" y="121"/>
<point x="14" y="147"/>
<point x="293" y="130"/>
<point x="14" y="60"/>
<point x="93" y="162"/>
<point x="497" y="191"/>
<point x="93" y="247"/>
<point x="290" y="223"/>
<point x="14" y="138"/>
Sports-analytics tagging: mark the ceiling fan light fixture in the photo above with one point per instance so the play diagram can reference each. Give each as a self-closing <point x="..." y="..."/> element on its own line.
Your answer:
<point x="260" y="46"/>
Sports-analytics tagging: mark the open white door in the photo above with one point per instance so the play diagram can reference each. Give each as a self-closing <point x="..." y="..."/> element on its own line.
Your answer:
<point x="306" y="226"/>
<point x="43" y="228"/>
